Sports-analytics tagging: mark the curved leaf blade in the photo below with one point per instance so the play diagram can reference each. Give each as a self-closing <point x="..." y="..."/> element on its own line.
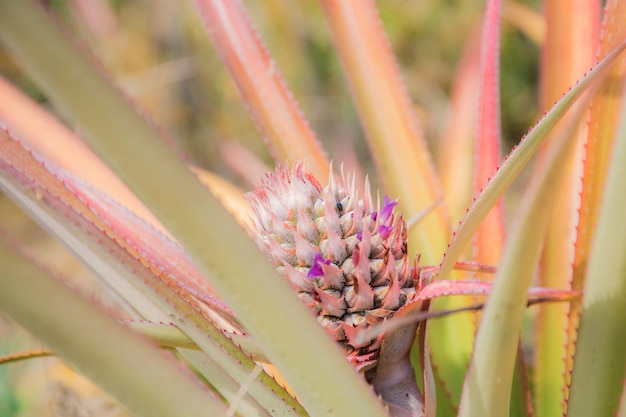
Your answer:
<point x="261" y="85"/>
<point x="516" y="161"/>
<point x="489" y="237"/>
<point x="489" y="380"/>
<point x="131" y="369"/>
<point x="600" y="359"/>
<point x="568" y="51"/>
<point x="605" y="110"/>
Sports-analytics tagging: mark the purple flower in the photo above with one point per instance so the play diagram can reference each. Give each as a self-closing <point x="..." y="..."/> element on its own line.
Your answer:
<point x="316" y="269"/>
<point x="387" y="209"/>
<point x="384" y="231"/>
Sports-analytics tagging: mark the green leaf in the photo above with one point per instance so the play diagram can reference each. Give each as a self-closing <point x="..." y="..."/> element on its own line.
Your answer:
<point x="131" y="369"/>
<point x="487" y="391"/>
<point x="600" y="359"/>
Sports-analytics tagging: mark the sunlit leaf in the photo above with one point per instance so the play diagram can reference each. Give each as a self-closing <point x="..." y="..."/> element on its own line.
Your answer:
<point x="515" y="162"/>
<point x="568" y="51"/>
<point x="272" y="106"/>
<point x="131" y="369"/>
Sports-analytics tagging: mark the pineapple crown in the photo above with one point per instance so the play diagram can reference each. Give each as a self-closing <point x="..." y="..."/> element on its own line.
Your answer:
<point x="346" y="260"/>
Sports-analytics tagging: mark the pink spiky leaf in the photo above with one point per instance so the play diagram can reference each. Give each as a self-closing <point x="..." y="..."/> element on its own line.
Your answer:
<point x="50" y="199"/>
<point x="516" y="160"/>
<point x="489" y="237"/>
<point x="604" y="115"/>
<point x="568" y="50"/>
<point x="261" y="85"/>
<point x="414" y="311"/>
<point x="497" y="341"/>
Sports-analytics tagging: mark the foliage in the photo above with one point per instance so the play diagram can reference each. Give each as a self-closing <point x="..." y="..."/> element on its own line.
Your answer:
<point x="170" y="246"/>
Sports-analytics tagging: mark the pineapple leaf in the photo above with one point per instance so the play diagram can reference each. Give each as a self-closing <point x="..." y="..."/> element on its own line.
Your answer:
<point x="261" y="85"/>
<point x="489" y="237"/>
<point x="454" y="336"/>
<point x="516" y="161"/>
<point x="415" y="311"/>
<point x="568" y="51"/>
<point x="29" y="354"/>
<point x="600" y="362"/>
<point x="456" y="170"/>
<point x="26" y="120"/>
<point x="131" y="369"/>
<point x="604" y="115"/>
<point x="169" y="336"/>
<point x="141" y="277"/>
<point x="488" y="386"/>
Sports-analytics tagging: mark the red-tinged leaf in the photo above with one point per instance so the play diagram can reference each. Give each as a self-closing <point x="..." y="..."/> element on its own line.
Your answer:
<point x="444" y="288"/>
<point x="605" y="113"/>
<point x="489" y="237"/>
<point x="134" y="235"/>
<point x="568" y="51"/>
<point x="61" y="146"/>
<point x="138" y="237"/>
<point x="152" y="286"/>
<point x="417" y="309"/>
<point x="515" y="162"/>
<point x="569" y="48"/>
<point x="84" y="204"/>
<point x="264" y="91"/>
<point x="389" y="121"/>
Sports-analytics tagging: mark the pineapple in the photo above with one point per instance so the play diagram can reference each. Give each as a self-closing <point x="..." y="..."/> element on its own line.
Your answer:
<point x="347" y="262"/>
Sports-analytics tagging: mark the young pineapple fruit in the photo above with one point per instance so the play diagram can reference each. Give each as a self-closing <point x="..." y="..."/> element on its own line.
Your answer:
<point x="345" y="259"/>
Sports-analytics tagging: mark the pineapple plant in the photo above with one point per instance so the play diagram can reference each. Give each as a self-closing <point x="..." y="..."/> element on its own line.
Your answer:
<point x="330" y="254"/>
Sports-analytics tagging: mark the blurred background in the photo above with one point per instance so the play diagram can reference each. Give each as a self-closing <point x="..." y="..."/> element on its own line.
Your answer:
<point x="157" y="52"/>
